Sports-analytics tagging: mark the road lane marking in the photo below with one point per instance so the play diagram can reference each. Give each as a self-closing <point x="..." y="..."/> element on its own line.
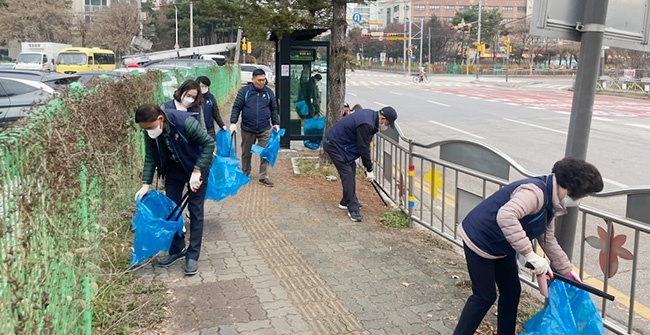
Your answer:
<point x="536" y="126"/>
<point x="601" y="119"/>
<point x="391" y="92"/>
<point x="438" y="103"/>
<point x="456" y="129"/>
<point x="380" y="104"/>
<point x="638" y="125"/>
<point x="352" y="94"/>
<point x="563" y="113"/>
<point x="615" y="183"/>
<point x="512" y="104"/>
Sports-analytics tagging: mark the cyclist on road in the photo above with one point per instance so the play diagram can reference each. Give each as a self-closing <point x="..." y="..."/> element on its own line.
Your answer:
<point x="422" y="74"/>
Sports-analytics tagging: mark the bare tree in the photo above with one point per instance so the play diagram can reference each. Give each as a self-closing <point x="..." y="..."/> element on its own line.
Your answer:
<point x="36" y="21"/>
<point x="114" y="27"/>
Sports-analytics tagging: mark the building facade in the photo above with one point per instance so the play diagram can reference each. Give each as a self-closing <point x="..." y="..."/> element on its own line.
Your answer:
<point x="396" y="11"/>
<point x="372" y="15"/>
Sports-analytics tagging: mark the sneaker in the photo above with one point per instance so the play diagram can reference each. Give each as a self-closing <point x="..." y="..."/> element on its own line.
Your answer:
<point x="191" y="267"/>
<point x="354" y="216"/>
<point x="171" y="259"/>
<point x="266" y="182"/>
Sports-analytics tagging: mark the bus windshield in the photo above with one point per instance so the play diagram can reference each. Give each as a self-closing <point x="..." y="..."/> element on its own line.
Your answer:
<point x="71" y="58"/>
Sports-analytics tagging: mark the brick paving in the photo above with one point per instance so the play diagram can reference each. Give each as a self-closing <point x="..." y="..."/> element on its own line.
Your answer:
<point x="286" y="260"/>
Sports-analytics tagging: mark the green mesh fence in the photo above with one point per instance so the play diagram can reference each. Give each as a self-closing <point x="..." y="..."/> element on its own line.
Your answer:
<point x="53" y="221"/>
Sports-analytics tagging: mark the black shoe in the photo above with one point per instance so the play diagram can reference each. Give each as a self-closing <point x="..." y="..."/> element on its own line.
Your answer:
<point x="171" y="259"/>
<point x="191" y="267"/>
<point x="342" y="206"/>
<point x="354" y="216"/>
<point x="266" y="182"/>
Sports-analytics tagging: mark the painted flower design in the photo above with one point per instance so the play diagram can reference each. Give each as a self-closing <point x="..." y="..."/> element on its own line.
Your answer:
<point x="616" y="247"/>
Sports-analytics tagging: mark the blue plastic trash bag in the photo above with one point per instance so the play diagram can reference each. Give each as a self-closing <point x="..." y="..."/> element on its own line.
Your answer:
<point x="270" y="152"/>
<point x="569" y="311"/>
<point x="225" y="178"/>
<point x="302" y="107"/>
<point x="313" y="126"/>
<point x="224" y="144"/>
<point x="152" y="232"/>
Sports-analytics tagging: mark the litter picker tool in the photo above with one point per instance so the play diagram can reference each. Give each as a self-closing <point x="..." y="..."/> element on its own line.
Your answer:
<point x="579" y="285"/>
<point x="374" y="185"/>
<point x="182" y="204"/>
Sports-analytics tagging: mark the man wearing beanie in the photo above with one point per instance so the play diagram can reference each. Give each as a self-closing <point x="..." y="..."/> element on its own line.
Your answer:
<point x="349" y="139"/>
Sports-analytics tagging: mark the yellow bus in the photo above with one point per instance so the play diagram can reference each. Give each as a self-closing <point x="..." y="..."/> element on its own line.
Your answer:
<point x="73" y="60"/>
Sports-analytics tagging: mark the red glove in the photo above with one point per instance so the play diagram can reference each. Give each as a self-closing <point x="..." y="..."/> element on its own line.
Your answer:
<point x="573" y="275"/>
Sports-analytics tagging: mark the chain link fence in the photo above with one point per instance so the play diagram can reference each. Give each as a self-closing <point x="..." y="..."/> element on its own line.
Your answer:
<point x="65" y="173"/>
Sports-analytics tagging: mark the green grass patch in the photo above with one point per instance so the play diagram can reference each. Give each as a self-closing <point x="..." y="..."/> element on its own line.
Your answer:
<point x="395" y="218"/>
<point x="312" y="167"/>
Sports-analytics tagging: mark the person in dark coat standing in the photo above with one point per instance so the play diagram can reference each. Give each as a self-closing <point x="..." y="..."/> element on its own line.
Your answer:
<point x="259" y="113"/>
<point x="349" y="139"/>
<point x="209" y="108"/>
<point x="181" y="150"/>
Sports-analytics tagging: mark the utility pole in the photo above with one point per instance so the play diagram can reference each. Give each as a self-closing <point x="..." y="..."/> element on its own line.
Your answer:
<point x="592" y="29"/>
<point x="410" y="47"/>
<point x="429" y="46"/>
<point x="478" y="38"/>
<point x="191" y="25"/>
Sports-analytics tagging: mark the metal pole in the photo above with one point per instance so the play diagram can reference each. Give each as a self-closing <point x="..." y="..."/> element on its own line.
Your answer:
<point x="507" y="62"/>
<point x="404" y="58"/>
<point x="421" y="41"/>
<point x="429" y="46"/>
<point x="478" y="38"/>
<point x="176" y="19"/>
<point x="591" y="43"/>
<point x="191" y="25"/>
<point x="140" y="17"/>
<point x="410" y="48"/>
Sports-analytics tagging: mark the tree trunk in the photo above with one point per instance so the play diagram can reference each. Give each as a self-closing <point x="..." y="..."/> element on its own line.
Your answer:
<point x="338" y="58"/>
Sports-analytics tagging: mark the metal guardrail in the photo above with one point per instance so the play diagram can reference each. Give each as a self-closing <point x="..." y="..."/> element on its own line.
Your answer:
<point x="439" y="183"/>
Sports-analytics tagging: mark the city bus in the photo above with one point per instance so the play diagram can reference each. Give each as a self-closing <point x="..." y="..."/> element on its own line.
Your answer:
<point x="73" y="60"/>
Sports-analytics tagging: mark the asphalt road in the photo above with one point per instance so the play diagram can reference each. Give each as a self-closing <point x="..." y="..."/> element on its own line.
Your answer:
<point x="528" y="122"/>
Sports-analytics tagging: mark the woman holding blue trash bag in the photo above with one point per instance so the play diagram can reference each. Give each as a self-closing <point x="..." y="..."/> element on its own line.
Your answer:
<point x="503" y="224"/>
<point x="210" y="109"/>
<point x="182" y="151"/>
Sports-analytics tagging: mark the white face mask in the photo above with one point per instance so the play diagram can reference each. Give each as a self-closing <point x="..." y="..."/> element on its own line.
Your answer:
<point x="153" y="133"/>
<point x="187" y="101"/>
<point x="204" y="90"/>
<point x="383" y="127"/>
<point x="569" y="202"/>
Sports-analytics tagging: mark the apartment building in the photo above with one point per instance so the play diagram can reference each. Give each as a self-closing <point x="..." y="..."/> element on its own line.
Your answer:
<point x="372" y="14"/>
<point x="420" y="10"/>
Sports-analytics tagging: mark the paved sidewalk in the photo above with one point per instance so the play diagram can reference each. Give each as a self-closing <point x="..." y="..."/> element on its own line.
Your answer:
<point x="286" y="260"/>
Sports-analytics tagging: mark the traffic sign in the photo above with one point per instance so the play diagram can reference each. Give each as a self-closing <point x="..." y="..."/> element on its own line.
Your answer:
<point x="413" y="57"/>
<point x="364" y="31"/>
<point x="356" y="17"/>
<point x="380" y="38"/>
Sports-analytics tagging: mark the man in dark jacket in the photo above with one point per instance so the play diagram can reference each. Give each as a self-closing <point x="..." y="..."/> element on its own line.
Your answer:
<point x="259" y="112"/>
<point x="181" y="151"/>
<point x="349" y="139"/>
<point x="209" y="108"/>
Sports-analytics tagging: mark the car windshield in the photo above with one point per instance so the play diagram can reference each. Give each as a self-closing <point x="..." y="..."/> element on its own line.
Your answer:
<point x="71" y="58"/>
<point x="29" y="58"/>
<point x="248" y="68"/>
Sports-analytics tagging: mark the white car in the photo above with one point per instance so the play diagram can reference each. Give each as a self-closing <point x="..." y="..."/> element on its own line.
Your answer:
<point x="247" y="73"/>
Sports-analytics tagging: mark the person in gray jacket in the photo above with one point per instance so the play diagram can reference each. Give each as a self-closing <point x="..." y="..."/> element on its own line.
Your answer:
<point x="504" y="224"/>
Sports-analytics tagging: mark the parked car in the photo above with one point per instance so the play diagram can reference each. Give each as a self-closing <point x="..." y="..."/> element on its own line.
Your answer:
<point x="20" y="90"/>
<point x="8" y="66"/>
<point x="247" y="73"/>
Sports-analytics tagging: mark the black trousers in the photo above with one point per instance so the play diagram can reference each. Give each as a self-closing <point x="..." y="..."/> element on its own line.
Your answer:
<point x="176" y="180"/>
<point x="347" y="172"/>
<point x="484" y="273"/>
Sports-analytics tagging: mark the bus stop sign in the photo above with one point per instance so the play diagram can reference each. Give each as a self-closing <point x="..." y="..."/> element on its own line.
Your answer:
<point x="627" y="25"/>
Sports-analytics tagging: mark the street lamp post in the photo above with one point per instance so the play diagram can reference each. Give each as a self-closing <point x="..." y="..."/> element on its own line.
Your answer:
<point x="429" y="46"/>
<point x="176" y="46"/>
<point x="478" y="38"/>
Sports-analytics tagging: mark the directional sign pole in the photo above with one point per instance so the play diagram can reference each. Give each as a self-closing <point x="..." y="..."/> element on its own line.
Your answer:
<point x="592" y="28"/>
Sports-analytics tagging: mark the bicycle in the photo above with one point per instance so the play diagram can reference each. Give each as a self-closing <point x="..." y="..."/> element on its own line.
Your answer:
<point x="417" y="79"/>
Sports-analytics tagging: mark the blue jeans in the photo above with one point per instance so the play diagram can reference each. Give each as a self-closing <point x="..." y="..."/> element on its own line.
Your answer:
<point x="484" y="274"/>
<point x="176" y="180"/>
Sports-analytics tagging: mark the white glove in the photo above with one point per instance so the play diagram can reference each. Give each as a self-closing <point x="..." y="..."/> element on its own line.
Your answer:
<point x="276" y="127"/>
<point x="143" y="190"/>
<point x="195" y="181"/>
<point x="370" y="176"/>
<point x="539" y="263"/>
<point x="225" y="128"/>
<point x="233" y="128"/>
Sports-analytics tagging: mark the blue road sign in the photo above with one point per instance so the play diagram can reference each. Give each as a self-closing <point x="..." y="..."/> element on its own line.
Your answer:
<point x="413" y="57"/>
<point x="356" y="17"/>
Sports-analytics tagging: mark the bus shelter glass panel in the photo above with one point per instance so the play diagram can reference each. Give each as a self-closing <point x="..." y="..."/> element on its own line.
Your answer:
<point x="308" y="90"/>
